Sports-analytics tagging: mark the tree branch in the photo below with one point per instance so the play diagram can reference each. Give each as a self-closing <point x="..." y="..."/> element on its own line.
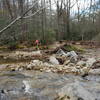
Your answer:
<point x="36" y="12"/>
<point x="20" y="17"/>
<point x="10" y="25"/>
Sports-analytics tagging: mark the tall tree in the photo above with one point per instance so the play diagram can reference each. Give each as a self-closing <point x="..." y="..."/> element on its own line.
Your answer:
<point x="9" y="8"/>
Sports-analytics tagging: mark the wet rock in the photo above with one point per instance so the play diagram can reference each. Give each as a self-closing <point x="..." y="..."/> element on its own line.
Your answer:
<point x="93" y="78"/>
<point x="86" y="70"/>
<point x="73" y="60"/>
<point x="5" y="58"/>
<point x="26" y="55"/>
<point x="81" y="63"/>
<point x="94" y="71"/>
<point x="96" y="65"/>
<point x="34" y="63"/>
<point x="68" y="54"/>
<point x="27" y="87"/>
<point x="39" y="65"/>
<point x="48" y="65"/>
<point x="3" y="91"/>
<point x="21" y="69"/>
<point x="73" y="55"/>
<point x="36" y="53"/>
<point x="53" y="60"/>
<point x="90" y="62"/>
<point x="60" y="52"/>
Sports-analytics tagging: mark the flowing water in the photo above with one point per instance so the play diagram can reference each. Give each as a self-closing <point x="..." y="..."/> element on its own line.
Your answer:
<point x="35" y="85"/>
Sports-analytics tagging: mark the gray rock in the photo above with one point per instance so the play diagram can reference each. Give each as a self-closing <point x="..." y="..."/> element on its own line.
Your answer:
<point x="90" y="62"/>
<point x="60" y="52"/>
<point x="81" y="63"/>
<point x="53" y="60"/>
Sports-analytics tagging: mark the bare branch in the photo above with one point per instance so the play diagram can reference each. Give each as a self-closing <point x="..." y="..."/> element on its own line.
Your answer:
<point x="74" y="4"/>
<point x="20" y="17"/>
<point x="37" y="11"/>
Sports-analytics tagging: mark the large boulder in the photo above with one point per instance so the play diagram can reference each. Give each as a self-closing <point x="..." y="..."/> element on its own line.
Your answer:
<point x="53" y="60"/>
<point x="60" y="52"/>
<point x="73" y="56"/>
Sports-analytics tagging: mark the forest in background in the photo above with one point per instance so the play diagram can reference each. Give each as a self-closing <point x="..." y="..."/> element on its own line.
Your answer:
<point x="49" y="20"/>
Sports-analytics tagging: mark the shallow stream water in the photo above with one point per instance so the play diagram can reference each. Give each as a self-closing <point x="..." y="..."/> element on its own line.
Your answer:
<point x="35" y="85"/>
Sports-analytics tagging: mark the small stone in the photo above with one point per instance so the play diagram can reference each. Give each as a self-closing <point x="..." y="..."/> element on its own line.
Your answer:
<point x="67" y="62"/>
<point x="21" y="69"/>
<point x="48" y="70"/>
<point x="81" y="63"/>
<point x="29" y="67"/>
<point x="78" y="67"/>
<point x="5" y="58"/>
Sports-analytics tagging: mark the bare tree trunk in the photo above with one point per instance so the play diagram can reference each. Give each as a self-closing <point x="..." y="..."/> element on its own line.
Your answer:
<point x="50" y="14"/>
<point x="90" y="9"/>
<point x="59" y="14"/>
<point x="68" y="18"/>
<point x="21" y="10"/>
<point x="58" y="21"/>
<point x="9" y="8"/>
<point x="14" y="9"/>
<point x="94" y="9"/>
<point x="78" y="8"/>
<point x="43" y="20"/>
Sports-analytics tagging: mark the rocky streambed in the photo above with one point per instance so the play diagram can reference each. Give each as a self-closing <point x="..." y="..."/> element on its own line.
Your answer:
<point x="34" y="85"/>
<point x="45" y="84"/>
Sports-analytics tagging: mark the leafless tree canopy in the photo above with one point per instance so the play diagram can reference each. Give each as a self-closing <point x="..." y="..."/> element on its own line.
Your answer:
<point x="49" y="20"/>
